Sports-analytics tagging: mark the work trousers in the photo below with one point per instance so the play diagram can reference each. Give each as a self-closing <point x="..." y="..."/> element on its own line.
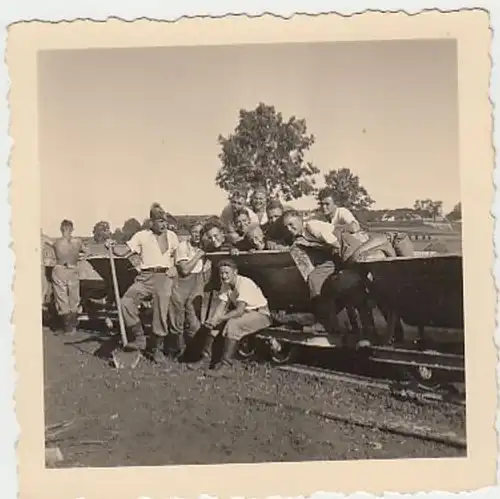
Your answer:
<point x="66" y="286"/>
<point x="45" y="286"/>
<point x="345" y="289"/>
<point x="318" y="276"/>
<point x="148" y="284"/>
<point x="250" y="322"/>
<point x="183" y="317"/>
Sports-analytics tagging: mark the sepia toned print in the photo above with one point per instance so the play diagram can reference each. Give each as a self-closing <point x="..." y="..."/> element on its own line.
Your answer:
<point x="261" y="250"/>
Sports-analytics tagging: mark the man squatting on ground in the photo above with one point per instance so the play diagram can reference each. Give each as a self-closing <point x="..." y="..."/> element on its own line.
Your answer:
<point x="65" y="278"/>
<point x="156" y="248"/>
<point x="188" y="286"/>
<point x="242" y="310"/>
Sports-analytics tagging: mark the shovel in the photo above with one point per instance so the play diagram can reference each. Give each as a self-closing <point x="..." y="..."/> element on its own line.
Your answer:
<point x="121" y="358"/>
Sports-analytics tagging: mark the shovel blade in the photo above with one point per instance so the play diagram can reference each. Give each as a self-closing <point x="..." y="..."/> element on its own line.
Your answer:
<point x="125" y="360"/>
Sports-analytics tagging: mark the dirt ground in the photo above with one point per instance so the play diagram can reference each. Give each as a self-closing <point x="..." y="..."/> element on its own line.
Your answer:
<point x="147" y="417"/>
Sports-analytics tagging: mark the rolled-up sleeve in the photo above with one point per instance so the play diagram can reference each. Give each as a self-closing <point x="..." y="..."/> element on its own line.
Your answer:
<point x="347" y="217"/>
<point x="181" y="253"/>
<point x="174" y="241"/>
<point x="135" y="243"/>
<point x="323" y="232"/>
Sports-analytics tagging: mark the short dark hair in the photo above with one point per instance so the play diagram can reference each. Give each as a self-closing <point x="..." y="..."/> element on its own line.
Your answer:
<point x="212" y="224"/>
<point x="274" y="204"/>
<point x="238" y="193"/>
<point x="66" y="223"/>
<point x="291" y="214"/>
<point x="326" y="192"/>
<point x="238" y="213"/>
<point x="227" y="262"/>
<point x="196" y="223"/>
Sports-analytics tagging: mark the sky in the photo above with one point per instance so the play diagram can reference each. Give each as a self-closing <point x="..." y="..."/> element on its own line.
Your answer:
<point x="122" y="128"/>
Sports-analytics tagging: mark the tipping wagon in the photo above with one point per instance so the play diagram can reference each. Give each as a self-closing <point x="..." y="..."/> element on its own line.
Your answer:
<point x="422" y="327"/>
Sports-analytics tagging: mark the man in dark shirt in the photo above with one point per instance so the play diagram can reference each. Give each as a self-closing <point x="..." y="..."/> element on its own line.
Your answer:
<point x="277" y="237"/>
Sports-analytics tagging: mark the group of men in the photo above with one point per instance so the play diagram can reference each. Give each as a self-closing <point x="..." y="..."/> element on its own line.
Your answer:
<point x="174" y="274"/>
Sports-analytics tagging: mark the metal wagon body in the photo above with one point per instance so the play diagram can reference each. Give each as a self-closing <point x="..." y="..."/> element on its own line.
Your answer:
<point x="422" y="297"/>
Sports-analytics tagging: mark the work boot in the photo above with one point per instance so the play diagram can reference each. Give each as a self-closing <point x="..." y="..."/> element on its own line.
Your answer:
<point x="206" y="355"/>
<point x="158" y="350"/>
<point x="176" y="347"/>
<point x="73" y="322"/>
<point x="226" y="363"/>
<point x="67" y="324"/>
<point x="139" y="339"/>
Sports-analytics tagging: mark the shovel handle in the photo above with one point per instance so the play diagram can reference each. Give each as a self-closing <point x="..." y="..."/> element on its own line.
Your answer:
<point x="117" y="297"/>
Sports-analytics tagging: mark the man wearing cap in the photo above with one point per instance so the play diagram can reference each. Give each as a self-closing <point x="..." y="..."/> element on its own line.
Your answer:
<point x="155" y="248"/>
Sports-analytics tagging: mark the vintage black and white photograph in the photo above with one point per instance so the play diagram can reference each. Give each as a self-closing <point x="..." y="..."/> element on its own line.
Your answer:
<point x="251" y="253"/>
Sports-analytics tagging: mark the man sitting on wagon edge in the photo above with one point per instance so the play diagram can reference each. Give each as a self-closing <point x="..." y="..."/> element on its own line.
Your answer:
<point x="243" y="310"/>
<point x="337" y="216"/>
<point x="155" y="248"/>
<point x="277" y="237"/>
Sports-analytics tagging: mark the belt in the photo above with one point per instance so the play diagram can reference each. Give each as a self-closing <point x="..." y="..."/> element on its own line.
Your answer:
<point x="66" y="265"/>
<point x="156" y="270"/>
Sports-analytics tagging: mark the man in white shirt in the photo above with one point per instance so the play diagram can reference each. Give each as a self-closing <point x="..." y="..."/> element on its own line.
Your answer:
<point x="156" y="249"/>
<point x="258" y="203"/>
<point x="237" y="202"/>
<point x="188" y="286"/>
<point x="323" y="246"/>
<point x="338" y="216"/>
<point x="242" y="310"/>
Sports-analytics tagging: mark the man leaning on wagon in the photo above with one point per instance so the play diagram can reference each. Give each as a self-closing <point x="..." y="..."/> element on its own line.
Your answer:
<point x="320" y="236"/>
<point x="237" y="202"/>
<point x="188" y="286"/>
<point x="337" y="216"/>
<point x="155" y="248"/>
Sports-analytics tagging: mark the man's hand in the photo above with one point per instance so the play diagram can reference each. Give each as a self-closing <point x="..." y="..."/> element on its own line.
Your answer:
<point x="109" y="243"/>
<point x="135" y="260"/>
<point x="172" y="272"/>
<point x="234" y="251"/>
<point x="211" y="323"/>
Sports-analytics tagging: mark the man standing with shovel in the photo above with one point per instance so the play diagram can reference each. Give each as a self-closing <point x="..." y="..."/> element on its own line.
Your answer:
<point x="155" y="248"/>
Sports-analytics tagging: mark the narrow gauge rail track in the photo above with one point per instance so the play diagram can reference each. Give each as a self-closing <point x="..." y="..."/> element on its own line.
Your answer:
<point x="412" y="391"/>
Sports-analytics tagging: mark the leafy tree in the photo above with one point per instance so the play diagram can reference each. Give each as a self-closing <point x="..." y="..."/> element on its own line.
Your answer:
<point x="428" y="208"/>
<point x="347" y="190"/>
<point x="101" y="231"/>
<point x="130" y="227"/>
<point x="456" y="213"/>
<point x="265" y="149"/>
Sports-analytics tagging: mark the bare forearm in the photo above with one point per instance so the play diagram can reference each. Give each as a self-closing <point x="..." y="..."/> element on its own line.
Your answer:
<point x="186" y="267"/>
<point x="233" y="314"/>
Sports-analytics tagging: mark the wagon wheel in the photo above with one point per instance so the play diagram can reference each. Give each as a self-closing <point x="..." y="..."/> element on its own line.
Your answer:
<point x="282" y="352"/>
<point x="425" y="373"/>
<point x="247" y="348"/>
